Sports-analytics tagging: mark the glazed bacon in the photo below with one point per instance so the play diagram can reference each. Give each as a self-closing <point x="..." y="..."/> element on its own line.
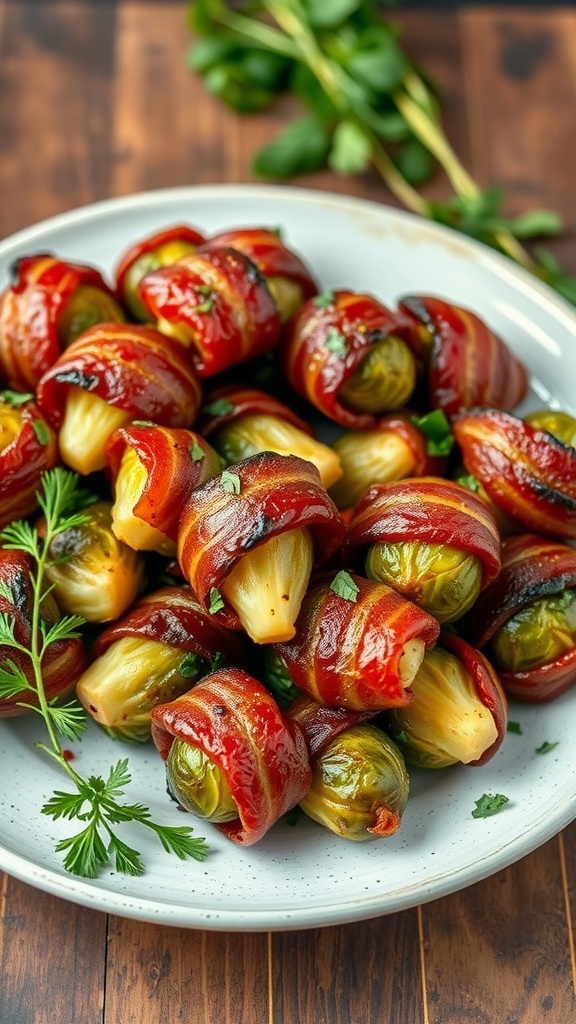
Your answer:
<point x="132" y="367"/>
<point x="232" y="401"/>
<point x="533" y="568"/>
<point x="428" y="509"/>
<point x="64" y="660"/>
<point x="235" y="721"/>
<point x="326" y="341"/>
<point x="216" y="303"/>
<point x="468" y="364"/>
<point x="528" y="473"/>
<point x="358" y="652"/>
<point x="30" y="311"/>
<point x="27" y="449"/>
<point x="173" y="461"/>
<point x="157" y="249"/>
<point x="271" y="495"/>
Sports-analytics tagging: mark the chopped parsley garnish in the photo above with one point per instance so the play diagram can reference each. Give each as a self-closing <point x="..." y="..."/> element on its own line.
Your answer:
<point x="344" y="586"/>
<point x="230" y="482"/>
<point x="489" y="804"/>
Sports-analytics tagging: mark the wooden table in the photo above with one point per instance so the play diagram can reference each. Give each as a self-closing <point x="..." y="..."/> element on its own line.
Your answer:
<point x="96" y="101"/>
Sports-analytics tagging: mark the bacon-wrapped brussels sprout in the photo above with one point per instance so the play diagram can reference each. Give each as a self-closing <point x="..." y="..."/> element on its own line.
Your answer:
<point x="288" y="279"/>
<point x="526" y="471"/>
<point x="429" y="538"/>
<point x="160" y="249"/>
<point x="163" y="645"/>
<point x="358" y="644"/>
<point x="360" y="785"/>
<point x="242" y="421"/>
<point x="398" y="447"/>
<point x="468" y="364"/>
<point x="27" y="449"/>
<point x="63" y="660"/>
<point x="91" y="572"/>
<point x="459" y="710"/>
<point x="216" y="304"/>
<point x="112" y="374"/>
<point x="247" y="763"/>
<point x="49" y="303"/>
<point x="350" y="357"/>
<point x="525" y="621"/>
<point x="248" y="539"/>
<point x="153" y="470"/>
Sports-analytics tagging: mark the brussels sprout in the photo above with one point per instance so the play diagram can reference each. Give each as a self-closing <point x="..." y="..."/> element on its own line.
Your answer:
<point x="537" y="634"/>
<point x="384" y="380"/>
<point x="129" y="484"/>
<point x="560" y="424"/>
<point x="92" y="573"/>
<point x="163" y="256"/>
<point x="87" y="425"/>
<point x="86" y="307"/>
<point x="198" y="784"/>
<point x="369" y="457"/>
<point x="287" y="294"/>
<point x="446" y="721"/>
<point x="359" y="785"/>
<point x="278" y="679"/>
<point x="10" y="423"/>
<point x="441" y="579"/>
<point x="250" y="434"/>
<point x="267" y="585"/>
<point x="133" y="676"/>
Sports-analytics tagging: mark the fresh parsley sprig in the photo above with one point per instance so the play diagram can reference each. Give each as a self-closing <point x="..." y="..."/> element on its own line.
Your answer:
<point x="365" y="103"/>
<point x="95" y="801"/>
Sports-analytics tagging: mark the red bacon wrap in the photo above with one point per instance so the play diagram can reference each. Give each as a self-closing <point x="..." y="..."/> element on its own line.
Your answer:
<point x="316" y="372"/>
<point x="346" y="652"/>
<point x="235" y="721"/>
<point x="29" y="313"/>
<point x="130" y="366"/>
<point x="469" y="364"/>
<point x="267" y="250"/>
<point x="428" y="509"/>
<point x="320" y="724"/>
<point x="172" y="615"/>
<point x="220" y="296"/>
<point x="487" y="686"/>
<point x="277" y="493"/>
<point x="64" y="661"/>
<point x="173" y="470"/>
<point x="22" y="463"/>
<point x="527" y="473"/>
<point x="176" y="233"/>
<point x="236" y="400"/>
<point x="533" y="567"/>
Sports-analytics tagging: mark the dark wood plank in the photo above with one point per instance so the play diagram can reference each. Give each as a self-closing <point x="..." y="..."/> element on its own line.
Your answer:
<point x="521" y="91"/>
<point x="500" y="950"/>
<point x="55" y="65"/>
<point x="158" y="975"/>
<point x="367" y="972"/>
<point x="52" y="958"/>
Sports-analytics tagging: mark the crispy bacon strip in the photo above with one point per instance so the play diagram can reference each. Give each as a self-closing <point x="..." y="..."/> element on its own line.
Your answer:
<point x="31" y="451"/>
<point x="29" y="313"/>
<point x="347" y="653"/>
<point x="528" y="474"/>
<point x="267" y="250"/>
<point x="130" y="366"/>
<point x="217" y="302"/>
<point x="235" y="721"/>
<point x="469" y="364"/>
<point x="273" y="494"/>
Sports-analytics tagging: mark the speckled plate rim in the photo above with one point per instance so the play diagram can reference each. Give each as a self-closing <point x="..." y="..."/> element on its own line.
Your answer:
<point x="552" y="315"/>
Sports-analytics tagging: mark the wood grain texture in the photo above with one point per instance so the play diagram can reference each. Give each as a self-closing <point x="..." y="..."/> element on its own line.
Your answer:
<point x="95" y="101"/>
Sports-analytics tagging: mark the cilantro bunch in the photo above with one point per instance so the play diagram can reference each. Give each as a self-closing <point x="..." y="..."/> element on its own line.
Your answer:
<point x="365" y="104"/>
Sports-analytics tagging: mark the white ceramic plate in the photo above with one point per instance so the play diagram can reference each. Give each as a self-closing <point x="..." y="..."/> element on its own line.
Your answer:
<point x="301" y="877"/>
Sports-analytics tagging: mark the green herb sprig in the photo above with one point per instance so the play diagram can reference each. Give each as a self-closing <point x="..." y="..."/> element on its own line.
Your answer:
<point x="365" y="104"/>
<point x="94" y="801"/>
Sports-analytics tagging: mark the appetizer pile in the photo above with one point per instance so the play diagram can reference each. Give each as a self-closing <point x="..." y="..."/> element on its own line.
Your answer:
<point x="293" y="621"/>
